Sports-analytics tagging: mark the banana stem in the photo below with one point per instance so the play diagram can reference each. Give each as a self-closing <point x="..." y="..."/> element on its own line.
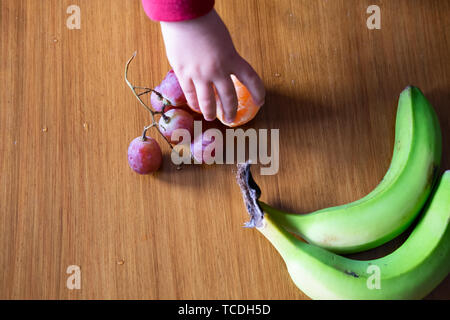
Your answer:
<point x="251" y="193"/>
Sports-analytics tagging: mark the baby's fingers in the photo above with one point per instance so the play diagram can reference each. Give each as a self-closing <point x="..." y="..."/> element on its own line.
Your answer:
<point x="206" y="99"/>
<point x="248" y="76"/>
<point x="228" y="97"/>
<point x="189" y="91"/>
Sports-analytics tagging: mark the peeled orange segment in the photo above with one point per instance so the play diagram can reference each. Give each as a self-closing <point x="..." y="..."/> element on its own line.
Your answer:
<point x="246" y="110"/>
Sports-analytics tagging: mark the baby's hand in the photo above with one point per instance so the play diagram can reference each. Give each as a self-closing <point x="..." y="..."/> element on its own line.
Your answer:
<point x="202" y="55"/>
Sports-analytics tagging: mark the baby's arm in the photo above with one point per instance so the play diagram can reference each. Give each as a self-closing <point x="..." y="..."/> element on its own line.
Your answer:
<point x="202" y="54"/>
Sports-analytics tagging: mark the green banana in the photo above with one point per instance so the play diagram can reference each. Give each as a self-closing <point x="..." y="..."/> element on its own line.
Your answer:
<point x="410" y="272"/>
<point x="394" y="204"/>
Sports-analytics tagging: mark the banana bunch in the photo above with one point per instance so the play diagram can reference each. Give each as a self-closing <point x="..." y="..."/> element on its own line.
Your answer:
<point x="410" y="272"/>
<point x="394" y="204"/>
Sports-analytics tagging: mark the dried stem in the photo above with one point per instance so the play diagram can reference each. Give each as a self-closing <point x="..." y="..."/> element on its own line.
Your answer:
<point x="144" y="132"/>
<point x="165" y="101"/>
<point x="251" y="194"/>
<point x="145" y="92"/>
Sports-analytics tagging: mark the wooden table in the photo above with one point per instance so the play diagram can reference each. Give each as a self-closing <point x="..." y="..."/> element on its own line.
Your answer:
<point x="68" y="197"/>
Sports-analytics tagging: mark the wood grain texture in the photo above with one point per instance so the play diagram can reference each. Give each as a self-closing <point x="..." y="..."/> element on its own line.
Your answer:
<point x="68" y="197"/>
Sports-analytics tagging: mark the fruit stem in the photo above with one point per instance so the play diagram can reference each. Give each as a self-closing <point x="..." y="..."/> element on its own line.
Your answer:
<point x="251" y="193"/>
<point x="133" y="88"/>
<point x="163" y="112"/>
<point x="165" y="101"/>
<point x="144" y="133"/>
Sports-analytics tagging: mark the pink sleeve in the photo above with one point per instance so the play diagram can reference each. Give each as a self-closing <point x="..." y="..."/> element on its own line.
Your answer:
<point x="176" y="10"/>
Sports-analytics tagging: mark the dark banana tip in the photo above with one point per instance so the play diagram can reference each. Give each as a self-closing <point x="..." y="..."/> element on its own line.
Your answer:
<point x="411" y="89"/>
<point x="250" y="193"/>
<point x="408" y="89"/>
